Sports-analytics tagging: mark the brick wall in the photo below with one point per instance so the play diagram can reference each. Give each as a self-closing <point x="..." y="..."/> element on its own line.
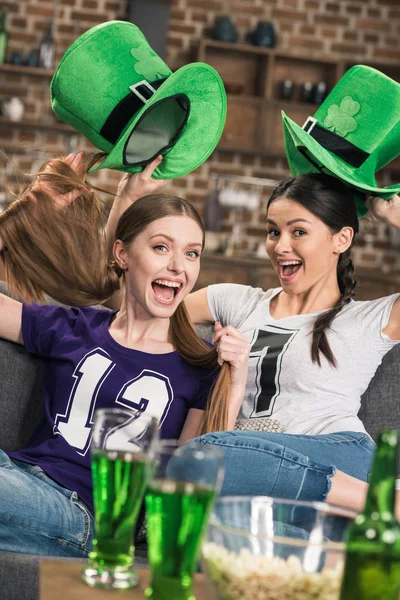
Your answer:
<point x="355" y="29"/>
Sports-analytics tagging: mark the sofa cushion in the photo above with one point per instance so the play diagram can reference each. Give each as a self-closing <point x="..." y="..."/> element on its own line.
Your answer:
<point x="20" y="395"/>
<point x="380" y="403"/>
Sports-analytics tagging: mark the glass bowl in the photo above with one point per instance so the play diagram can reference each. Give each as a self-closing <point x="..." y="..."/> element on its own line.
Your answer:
<point x="274" y="549"/>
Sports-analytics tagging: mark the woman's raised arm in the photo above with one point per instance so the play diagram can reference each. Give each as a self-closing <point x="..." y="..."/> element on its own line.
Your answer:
<point x="130" y="189"/>
<point x="389" y="212"/>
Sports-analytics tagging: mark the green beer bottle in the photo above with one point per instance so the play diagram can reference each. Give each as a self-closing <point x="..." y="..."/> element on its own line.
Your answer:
<point x="372" y="569"/>
<point x="3" y="37"/>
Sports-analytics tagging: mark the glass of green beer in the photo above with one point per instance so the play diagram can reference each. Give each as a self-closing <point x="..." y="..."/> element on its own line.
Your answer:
<point x="180" y="495"/>
<point x="121" y="458"/>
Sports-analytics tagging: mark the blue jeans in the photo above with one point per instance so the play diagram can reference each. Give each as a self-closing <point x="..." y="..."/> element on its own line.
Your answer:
<point x="287" y="465"/>
<point x="38" y="516"/>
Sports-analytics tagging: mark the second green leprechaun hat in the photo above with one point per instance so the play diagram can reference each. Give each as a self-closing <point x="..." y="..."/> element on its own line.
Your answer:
<point x="354" y="132"/>
<point x="112" y="87"/>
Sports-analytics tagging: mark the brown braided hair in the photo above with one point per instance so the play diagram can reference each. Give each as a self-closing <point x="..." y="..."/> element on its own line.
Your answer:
<point x="333" y="203"/>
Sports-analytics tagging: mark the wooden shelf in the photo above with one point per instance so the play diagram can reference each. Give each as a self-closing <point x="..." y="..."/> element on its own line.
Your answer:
<point x="251" y="49"/>
<point x="29" y="124"/>
<point x="255" y="74"/>
<point x="24" y="70"/>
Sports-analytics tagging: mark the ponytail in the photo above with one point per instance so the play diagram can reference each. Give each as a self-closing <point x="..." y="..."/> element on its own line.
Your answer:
<point x="197" y="353"/>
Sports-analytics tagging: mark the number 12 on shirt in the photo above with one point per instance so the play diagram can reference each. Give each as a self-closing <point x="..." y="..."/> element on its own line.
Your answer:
<point x="75" y="425"/>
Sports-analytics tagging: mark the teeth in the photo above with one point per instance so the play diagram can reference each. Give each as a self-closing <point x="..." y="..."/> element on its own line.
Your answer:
<point x="173" y="284"/>
<point x="290" y="262"/>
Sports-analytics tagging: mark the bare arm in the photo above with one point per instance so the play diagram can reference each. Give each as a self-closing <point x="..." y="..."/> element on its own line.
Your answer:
<point x="197" y="307"/>
<point x="11" y="319"/>
<point x="389" y="212"/>
<point x="192" y="426"/>
<point x="130" y="189"/>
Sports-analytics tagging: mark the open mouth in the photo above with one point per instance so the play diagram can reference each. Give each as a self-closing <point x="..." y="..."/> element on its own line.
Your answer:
<point x="166" y="291"/>
<point x="288" y="269"/>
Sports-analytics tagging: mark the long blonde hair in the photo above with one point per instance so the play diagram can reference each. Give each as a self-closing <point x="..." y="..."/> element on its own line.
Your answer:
<point x="61" y="252"/>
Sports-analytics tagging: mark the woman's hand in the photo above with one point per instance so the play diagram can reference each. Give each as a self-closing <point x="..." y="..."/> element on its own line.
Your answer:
<point x="233" y="347"/>
<point x="385" y="210"/>
<point x="133" y="187"/>
<point x="78" y="164"/>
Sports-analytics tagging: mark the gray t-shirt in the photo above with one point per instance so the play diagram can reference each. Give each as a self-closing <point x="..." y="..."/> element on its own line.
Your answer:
<point x="283" y="382"/>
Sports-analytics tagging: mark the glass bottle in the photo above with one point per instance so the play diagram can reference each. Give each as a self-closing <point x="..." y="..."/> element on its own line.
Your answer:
<point x="46" y="48"/>
<point x="372" y="569"/>
<point x="3" y="37"/>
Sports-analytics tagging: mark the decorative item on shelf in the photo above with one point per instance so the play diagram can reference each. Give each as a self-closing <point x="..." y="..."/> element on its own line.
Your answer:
<point x="239" y="200"/>
<point x="46" y="48"/>
<point x="12" y="109"/>
<point x="3" y="37"/>
<point x="224" y="30"/>
<point x="264" y="35"/>
<point x="307" y="92"/>
<point x="320" y="92"/>
<point x="32" y="59"/>
<point x="286" y="89"/>
<point x="16" y="58"/>
<point x="213" y="211"/>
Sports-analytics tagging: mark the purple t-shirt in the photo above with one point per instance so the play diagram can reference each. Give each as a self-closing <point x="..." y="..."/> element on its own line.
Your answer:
<point x="87" y="369"/>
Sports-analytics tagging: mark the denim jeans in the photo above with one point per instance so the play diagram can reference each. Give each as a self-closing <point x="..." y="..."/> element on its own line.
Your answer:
<point x="38" y="516"/>
<point x="287" y="465"/>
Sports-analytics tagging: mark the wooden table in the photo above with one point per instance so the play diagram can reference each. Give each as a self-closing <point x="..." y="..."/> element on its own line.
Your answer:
<point x="61" y="581"/>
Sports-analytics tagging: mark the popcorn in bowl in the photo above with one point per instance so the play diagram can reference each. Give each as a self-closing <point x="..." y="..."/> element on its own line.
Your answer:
<point x="261" y="548"/>
<point x="246" y="577"/>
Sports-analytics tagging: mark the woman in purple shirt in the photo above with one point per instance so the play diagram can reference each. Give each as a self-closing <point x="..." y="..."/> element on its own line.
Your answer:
<point x="145" y="355"/>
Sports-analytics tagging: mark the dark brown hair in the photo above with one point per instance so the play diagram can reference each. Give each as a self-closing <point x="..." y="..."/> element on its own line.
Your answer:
<point x="332" y="202"/>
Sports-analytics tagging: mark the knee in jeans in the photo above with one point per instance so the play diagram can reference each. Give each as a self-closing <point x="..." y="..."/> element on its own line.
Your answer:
<point x="212" y="438"/>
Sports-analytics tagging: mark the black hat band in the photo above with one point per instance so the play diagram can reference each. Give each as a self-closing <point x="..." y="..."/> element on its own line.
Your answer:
<point x="335" y="143"/>
<point x="127" y="108"/>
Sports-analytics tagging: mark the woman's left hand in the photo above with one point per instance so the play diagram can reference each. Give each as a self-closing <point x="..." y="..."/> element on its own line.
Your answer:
<point x="133" y="187"/>
<point x="78" y="164"/>
<point x="385" y="210"/>
<point x="233" y="347"/>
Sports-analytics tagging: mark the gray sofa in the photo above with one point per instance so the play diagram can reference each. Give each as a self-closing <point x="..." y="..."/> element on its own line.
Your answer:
<point x="21" y="409"/>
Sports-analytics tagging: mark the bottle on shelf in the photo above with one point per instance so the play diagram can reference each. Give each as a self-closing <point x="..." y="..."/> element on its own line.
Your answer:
<point x="372" y="568"/>
<point x="3" y="37"/>
<point x="47" y="47"/>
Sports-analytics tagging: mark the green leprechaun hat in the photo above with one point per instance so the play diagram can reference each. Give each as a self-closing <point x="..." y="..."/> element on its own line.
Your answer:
<point x="112" y="87"/>
<point x="354" y="133"/>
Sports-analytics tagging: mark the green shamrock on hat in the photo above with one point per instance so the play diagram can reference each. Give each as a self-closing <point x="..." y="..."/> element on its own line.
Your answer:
<point x="340" y="119"/>
<point x="149" y="65"/>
